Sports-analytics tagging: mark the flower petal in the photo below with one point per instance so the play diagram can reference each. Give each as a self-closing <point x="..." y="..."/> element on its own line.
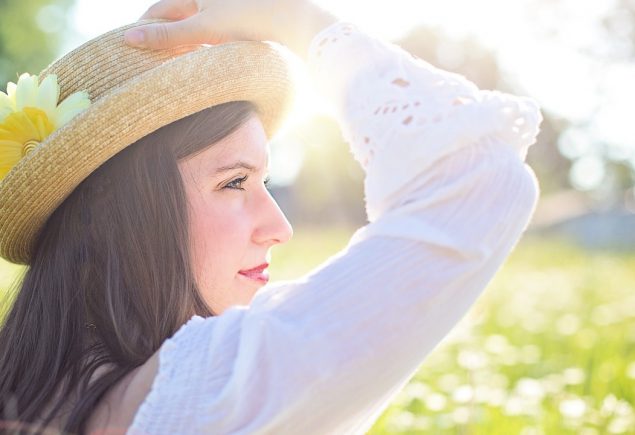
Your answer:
<point x="10" y="155"/>
<point x="11" y="88"/>
<point x="6" y="106"/>
<point x="71" y="106"/>
<point x="4" y="112"/>
<point x="41" y="124"/>
<point x="26" y="92"/>
<point x="18" y="127"/>
<point x="25" y="125"/>
<point x="48" y="94"/>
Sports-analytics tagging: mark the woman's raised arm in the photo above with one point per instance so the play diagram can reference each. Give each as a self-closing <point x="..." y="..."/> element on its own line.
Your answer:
<point x="292" y="23"/>
<point x="448" y="196"/>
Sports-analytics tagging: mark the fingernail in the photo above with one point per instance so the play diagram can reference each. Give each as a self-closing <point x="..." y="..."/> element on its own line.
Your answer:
<point x="135" y="37"/>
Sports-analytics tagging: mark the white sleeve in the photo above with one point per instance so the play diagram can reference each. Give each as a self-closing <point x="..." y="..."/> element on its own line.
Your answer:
<point x="448" y="196"/>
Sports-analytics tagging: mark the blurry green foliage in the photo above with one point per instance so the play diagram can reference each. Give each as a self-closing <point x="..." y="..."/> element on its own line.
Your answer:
<point x="30" y="44"/>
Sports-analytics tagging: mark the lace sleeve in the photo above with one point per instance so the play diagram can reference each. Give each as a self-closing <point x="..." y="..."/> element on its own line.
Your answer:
<point x="400" y="114"/>
<point x="448" y="196"/>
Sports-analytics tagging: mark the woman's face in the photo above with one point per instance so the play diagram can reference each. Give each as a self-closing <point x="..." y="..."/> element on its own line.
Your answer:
<point x="233" y="223"/>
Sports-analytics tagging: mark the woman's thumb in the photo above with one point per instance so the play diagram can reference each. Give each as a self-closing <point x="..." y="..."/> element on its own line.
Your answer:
<point x="167" y="34"/>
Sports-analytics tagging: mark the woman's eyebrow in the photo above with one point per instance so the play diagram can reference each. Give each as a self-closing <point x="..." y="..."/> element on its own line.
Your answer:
<point x="236" y="165"/>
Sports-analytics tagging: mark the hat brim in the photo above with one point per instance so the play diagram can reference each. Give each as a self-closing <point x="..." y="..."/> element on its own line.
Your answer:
<point x="207" y="76"/>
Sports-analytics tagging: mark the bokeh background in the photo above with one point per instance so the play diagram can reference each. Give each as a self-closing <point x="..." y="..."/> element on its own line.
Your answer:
<point x="549" y="348"/>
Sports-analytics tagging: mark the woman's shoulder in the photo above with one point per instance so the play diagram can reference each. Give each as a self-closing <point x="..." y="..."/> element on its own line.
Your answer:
<point x="116" y="411"/>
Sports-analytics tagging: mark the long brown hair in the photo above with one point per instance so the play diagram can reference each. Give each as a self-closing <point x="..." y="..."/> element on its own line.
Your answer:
<point x="114" y="254"/>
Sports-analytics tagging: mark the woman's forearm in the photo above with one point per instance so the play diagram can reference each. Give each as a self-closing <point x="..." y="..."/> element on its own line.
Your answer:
<point x="297" y="22"/>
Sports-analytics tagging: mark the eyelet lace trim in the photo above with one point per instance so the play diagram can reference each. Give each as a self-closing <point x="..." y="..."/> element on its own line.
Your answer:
<point x="410" y="113"/>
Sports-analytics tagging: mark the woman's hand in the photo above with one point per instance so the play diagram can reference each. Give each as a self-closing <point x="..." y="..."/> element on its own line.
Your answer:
<point x="289" y="22"/>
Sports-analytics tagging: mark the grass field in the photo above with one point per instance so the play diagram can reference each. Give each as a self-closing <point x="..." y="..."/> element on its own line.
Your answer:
<point x="549" y="348"/>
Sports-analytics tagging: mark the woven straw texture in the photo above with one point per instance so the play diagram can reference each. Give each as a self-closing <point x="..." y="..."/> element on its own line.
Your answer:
<point x="133" y="92"/>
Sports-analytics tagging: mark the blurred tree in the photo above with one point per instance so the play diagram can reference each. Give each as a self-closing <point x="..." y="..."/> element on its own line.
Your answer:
<point x="619" y="25"/>
<point x="29" y="45"/>
<point x="329" y="186"/>
<point x="602" y="166"/>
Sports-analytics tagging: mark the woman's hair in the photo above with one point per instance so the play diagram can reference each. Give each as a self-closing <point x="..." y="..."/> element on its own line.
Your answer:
<point x="115" y="254"/>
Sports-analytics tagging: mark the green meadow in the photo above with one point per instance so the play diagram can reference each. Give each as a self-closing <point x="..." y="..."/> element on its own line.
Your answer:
<point x="548" y="348"/>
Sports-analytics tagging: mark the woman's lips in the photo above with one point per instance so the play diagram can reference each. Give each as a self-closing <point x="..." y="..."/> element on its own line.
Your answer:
<point x="257" y="274"/>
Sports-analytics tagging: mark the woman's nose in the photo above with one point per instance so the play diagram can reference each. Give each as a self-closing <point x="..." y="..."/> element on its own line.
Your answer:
<point x="274" y="226"/>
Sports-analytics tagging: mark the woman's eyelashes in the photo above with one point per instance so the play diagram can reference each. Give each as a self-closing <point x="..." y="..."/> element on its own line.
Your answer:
<point x="239" y="181"/>
<point x="236" y="182"/>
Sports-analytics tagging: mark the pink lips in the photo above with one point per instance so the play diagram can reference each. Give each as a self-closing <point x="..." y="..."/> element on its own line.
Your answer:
<point x="257" y="273"/>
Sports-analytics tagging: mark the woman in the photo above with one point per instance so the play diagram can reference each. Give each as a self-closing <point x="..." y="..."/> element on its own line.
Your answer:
<point x="154" y="247"/>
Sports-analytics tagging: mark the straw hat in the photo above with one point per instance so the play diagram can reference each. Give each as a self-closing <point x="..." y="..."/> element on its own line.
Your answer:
<point x="132" y="92"/>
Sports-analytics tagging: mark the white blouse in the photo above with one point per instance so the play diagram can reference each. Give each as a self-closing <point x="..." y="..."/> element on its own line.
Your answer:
<point x="448" y="195"/>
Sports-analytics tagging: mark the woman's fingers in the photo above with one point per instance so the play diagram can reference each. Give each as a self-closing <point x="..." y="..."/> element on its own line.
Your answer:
<point x="207" y="22"/>
<point x="171" y="9"/>
<point x="191" y="30"/>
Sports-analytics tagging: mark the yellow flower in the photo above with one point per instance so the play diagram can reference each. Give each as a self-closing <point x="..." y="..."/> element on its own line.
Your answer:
<point x="29" y="113"/>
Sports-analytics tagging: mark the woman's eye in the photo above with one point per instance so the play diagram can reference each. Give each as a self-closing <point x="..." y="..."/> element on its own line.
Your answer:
<point x="238" y="182"/>
<point x="232" y="184"/>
